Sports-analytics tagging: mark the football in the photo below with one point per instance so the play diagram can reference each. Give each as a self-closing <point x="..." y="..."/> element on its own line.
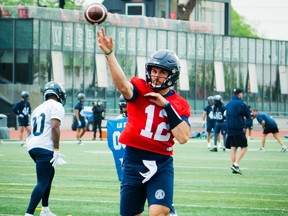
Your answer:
<point x="95" y="13"/>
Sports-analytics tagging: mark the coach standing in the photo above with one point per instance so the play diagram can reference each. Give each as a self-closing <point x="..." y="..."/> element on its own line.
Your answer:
<point x="236" y="110"/>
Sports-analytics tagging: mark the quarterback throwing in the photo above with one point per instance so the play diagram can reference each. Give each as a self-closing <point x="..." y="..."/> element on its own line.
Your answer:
<point x="157" y="115"/>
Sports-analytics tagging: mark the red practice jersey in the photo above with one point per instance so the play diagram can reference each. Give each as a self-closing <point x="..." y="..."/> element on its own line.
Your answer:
<point x="148" y="125"/>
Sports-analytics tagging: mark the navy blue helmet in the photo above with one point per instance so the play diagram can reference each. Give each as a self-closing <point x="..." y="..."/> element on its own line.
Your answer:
<point x="57" y="89"/>
<point x="218" y="99"/>
<point x="25" y="94"/>
<point x="81" y="96"/>
<point x="122" y="104"/>
<point x="210" y="100"/>
<point x="167" y="60"/>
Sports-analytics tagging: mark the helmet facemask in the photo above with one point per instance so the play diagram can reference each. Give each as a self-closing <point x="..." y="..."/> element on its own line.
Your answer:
<point x="166" y="60"/>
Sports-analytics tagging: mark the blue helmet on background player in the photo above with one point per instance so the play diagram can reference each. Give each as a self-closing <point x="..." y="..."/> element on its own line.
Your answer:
<point x="25" y="95"/>
<point x="122" y="105"/>
<point x="218" y="100"/>
<point x="210" y="100"/>
<point x="57" y="89"/>
<point x="167" y="60"/>
<point x="81" y="96"/>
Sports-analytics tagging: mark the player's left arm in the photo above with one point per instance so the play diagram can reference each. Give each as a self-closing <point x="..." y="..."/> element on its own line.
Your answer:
<point x="55" y="127"/>
<point x="179" y="128"/>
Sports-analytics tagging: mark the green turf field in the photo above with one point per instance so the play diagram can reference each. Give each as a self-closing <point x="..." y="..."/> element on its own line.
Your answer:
<point x="204" y="185"/>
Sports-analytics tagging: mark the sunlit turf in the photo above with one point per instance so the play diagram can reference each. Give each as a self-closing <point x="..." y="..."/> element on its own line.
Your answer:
<point x="204" y="184"/>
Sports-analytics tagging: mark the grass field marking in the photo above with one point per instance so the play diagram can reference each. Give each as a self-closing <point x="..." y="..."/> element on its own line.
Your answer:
<point x="227" y="207"/>
<point x="229" y="192"/>
<point x="176" y="205"/>
<point x="224" y="168"/>
<point x="98" y="152"/>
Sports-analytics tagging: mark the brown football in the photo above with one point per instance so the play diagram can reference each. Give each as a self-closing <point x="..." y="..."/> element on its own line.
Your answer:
<point x="95" y="13"/>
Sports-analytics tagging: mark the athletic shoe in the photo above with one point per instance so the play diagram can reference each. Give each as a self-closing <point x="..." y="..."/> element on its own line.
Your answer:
<point x="284" y="148"/>
<point x="214" y="149"/>
<point x="80" y="142"/>
<point x="208" y="145"/>
<point x="224" y="149"/>
<point x="23" y="144"/>
<point x="236" y="169"/>
<point x="219" y="146"/>
<point x="47" y="213"/>
<point x="234" y="172"/>
<point x="262" y="150"/>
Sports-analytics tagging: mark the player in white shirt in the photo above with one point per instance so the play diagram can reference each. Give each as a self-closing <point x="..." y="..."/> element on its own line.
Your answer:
<point x="43" y="144"/>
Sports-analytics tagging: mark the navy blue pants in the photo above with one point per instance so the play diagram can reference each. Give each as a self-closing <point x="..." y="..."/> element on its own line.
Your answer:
<point x="45" y="174"/>
<point x="158" y="190"/>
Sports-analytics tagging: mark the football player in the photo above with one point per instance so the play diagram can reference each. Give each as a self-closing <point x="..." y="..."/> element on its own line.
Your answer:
<point x="208" y="119"/>
<point x="220" y="125"/>
<point x="236" y="112"/>
<point x="269" y="125"/>
<point x="43" y="144"/>
<point x="98" y="116"/>
<point x="123" y="107"/>
<point x="79" y="118"/>
<point x="23" y="110"/>
<point x="157" y="115"/>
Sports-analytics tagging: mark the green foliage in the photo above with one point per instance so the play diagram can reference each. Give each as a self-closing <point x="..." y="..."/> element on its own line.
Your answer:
<point x="42" y="3"/>
<point x="240" y="28"/>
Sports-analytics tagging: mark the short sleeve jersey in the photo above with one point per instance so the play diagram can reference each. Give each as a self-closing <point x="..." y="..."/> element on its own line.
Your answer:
<point x="269" y="122"/>
<point x="219" y="113"/>
<point x="41" y="131"/>
<point x="80" y="107"/>
<point x="22" y="107"/>
<point x="210" y="115"/>
<point x="148" y="126"/>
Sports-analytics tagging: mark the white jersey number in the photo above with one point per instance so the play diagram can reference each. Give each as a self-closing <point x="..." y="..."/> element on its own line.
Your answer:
<point x="25" y="111"/>
<point x="38" y="124"/>
<point x="219" y="116"/>
<point x="150" y="111"/>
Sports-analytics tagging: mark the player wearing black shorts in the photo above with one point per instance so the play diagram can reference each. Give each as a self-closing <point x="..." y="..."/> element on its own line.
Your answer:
<point x="23" y="110"/>
<point x="236" y="110"/>
<point x="208" y="119"/>
<point x="269" y="126"/>
<point x="220" y="124"/>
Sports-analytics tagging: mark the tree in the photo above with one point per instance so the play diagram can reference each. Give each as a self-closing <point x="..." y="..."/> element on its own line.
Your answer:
<point x="240" y="28"/>
<point x="42" y="3"/>
<point x="184" y="10"/>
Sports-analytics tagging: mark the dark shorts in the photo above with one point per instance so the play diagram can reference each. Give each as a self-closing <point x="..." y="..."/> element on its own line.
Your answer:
<point x="236" y="141"/>
<point x="271" y="130"/>
<point x="220" y="128"/>
<point x="248" y="126"/>
<point x="83" y="123"/>
<point x="158" y="190"/>
<point x="24" y="121"/>
<point x="210" y="126"/>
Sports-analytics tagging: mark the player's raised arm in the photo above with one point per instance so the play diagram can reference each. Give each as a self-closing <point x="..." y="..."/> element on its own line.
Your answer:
<point x="117" y="74"/>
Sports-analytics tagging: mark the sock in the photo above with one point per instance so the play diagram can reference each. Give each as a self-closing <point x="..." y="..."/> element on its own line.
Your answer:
<point x="236" y="164"/>
<point x="45" y="209"/>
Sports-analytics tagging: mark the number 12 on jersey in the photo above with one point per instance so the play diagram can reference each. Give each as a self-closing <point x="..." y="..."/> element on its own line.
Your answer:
<point x="147" y="131"/>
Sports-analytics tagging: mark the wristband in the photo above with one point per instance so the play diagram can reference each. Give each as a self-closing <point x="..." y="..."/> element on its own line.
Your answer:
<point x="109" y="53"/>
<point x="173" y="117"/>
